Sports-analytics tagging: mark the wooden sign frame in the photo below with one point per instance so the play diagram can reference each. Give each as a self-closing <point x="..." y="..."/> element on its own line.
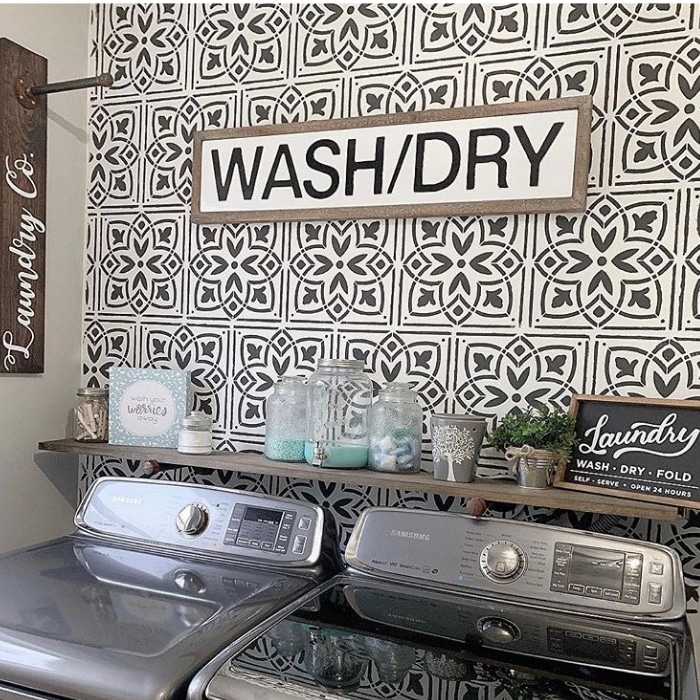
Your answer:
<point x="639" y="448"/>
<point x="408" y="152"/>
<point x="22" y="213"/>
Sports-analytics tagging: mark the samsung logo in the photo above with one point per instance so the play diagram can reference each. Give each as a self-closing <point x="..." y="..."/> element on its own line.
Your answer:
<point x="128" y="500"/>
<point x="406" y="534"/>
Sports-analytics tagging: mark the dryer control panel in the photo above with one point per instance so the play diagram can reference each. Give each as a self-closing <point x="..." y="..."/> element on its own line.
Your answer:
<point x="204" y="519"/>
<point x="561" y="568"/>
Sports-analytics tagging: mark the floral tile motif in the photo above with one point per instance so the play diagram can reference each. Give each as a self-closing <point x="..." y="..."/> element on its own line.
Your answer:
<point x="145" y="47"/>
<point x="657" y="118"/>
<point x="443" y="32"/>
<point x="411" y="357"/>
<point x="169" y="128"/>
<point x="236" y="272"/>
<point x="656" y="367"/>
<point x="610" y="267"/>
<point x="548" y="77"/>
<point x="203" y="351"/>
<point x="142" y="263"/>
<point x="463" y="270"/>
<point x="336" y="38"/>
<point x="241" y="43"/>
<point x="115" y="167"/>
<point x="342" y="271"/>
<point x="261" y="357"/>
<point x="497" y="373"/>
<point x="587" y="23"/>
<point x="408" y="91"/>
<point x="301" y="101"/>
<point x="107" y="344"/>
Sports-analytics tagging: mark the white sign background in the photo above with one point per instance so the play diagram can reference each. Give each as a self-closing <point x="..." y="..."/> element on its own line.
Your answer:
<point x="422" y="160"/>
<point x="147" y="408"/>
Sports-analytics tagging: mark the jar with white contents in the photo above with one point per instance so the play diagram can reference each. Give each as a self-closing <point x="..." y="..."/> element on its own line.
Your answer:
<point x="91" y="414"/>
<point x="195" y="436"/>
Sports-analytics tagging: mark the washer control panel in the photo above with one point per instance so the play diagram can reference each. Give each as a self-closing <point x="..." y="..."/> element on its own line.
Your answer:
<point x="204" y="519"/>
<point x="515" y="560"/>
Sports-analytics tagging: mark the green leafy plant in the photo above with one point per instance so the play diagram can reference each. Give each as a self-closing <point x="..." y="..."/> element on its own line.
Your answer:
<point x="542" y="429"/>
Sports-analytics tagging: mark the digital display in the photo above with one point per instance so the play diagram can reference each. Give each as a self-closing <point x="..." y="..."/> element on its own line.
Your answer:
<point x="597" y="567"/>
<point x="587" y="650"/>
<point x="262" y="515"/>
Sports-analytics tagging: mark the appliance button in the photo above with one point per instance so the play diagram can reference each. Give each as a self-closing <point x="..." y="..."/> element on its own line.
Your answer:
<point x="267" y="545"/>
<point x="576" y="588"/>
<point x="650" y="664"/>
<point x="650" y="652"/>
<point x="288" y="516"/>
<point x="594" y="591"/>
<point x="242" y="540"/>
<point x="611" y="594"/>
<point x="573" y="635"/>
<point x="299" y="544"/>
<point x="281" y="549"/>
<point x="631" y="596"/>
<point x="304" y="523"/>
<point x="254" y="543"/>
<point x="655" y="593"/>
<point x="656" y="567"/>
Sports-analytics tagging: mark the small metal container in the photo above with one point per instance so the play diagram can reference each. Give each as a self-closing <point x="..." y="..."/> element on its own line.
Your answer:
<point x="532" y="469"/>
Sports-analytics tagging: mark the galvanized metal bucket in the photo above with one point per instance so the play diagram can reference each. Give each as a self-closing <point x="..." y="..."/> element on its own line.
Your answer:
<point x="532" y="469"/>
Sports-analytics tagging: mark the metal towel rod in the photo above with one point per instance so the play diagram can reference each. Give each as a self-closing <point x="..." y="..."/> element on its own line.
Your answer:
<point x="27" y="93"/>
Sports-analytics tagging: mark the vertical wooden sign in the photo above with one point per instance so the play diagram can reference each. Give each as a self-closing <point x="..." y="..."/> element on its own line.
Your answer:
<point x="22" y="213"/>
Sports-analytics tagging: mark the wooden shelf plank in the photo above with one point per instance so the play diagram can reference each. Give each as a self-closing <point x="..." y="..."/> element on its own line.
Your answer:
<point x="489" y="490"/>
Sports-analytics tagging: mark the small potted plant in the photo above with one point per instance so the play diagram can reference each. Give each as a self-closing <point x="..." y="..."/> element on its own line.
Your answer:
<point x="535" y="442"/>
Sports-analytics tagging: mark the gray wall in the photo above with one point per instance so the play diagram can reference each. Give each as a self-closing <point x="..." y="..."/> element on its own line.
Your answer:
<point x="37" y="491"/>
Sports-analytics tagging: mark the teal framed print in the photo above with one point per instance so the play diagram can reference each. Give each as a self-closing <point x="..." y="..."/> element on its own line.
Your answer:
<point x="147" y="405"/>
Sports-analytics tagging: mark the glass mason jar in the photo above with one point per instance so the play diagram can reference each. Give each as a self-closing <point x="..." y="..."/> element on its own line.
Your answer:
<point x="396" y="430"/>
<point x="337" y="435"/>
<point x="285" y="420"/>
<point x="195" y="436"/>
<point x="92" y="415"/>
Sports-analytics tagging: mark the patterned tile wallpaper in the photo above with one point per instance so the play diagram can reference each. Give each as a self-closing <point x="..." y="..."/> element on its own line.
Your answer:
<point x="481" y="313"/>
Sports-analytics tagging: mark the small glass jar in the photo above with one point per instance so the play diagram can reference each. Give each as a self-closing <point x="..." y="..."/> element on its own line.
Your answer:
<point x="92" y="415"/>
<point x="337" y="435"/>
<point x="285" y="420"/>
<point x="195" y="437"/>
<point x="396" y="430"/>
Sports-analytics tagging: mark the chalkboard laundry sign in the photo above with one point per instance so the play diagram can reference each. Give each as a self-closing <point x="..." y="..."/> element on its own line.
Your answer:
<point x="647" y="449"/>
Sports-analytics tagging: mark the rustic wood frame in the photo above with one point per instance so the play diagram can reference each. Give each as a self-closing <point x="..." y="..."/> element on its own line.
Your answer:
<point x="578" y="399"/>
<point x="576" y="202"/>
<point x="23" y="142"/>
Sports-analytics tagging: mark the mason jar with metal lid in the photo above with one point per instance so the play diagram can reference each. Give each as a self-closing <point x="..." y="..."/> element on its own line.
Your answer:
<point x="195" y="435"/>
<point x="92" y="414"/>
<point x="396" y="430"/>
<point x="285" y="420"/>
<point x="339" y="399"/>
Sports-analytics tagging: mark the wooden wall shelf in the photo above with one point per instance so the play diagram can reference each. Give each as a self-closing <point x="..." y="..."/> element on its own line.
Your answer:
<point x="489" y="490"/>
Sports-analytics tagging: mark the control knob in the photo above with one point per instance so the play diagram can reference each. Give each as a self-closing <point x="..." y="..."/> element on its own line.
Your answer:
<point x="502" y="561"/>
<point x="189" y="582"/>
<point x="497" y="630"/>
<point x="192" y="519"/>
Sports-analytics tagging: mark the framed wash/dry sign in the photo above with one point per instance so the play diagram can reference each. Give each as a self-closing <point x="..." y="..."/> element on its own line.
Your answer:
<point x="507" y="159"/>
<point x="647" y="449"/>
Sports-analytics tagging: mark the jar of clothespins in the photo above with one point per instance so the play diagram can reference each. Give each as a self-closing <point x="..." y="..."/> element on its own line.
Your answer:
<point x="91" y="415"/>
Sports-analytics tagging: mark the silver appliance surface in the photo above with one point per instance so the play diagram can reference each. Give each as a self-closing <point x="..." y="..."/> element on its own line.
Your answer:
<point x="447" y="607"/>
<point x="148" y="589"/>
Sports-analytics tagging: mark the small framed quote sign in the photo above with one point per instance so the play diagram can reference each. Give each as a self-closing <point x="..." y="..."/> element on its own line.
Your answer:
<point x="508" y="159"/>
<point x="147" y="405"/>
<point x="646" y="449"/>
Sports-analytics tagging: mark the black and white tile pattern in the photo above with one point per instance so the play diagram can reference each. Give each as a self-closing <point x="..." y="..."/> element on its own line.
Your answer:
<point x="481" y="313"/>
